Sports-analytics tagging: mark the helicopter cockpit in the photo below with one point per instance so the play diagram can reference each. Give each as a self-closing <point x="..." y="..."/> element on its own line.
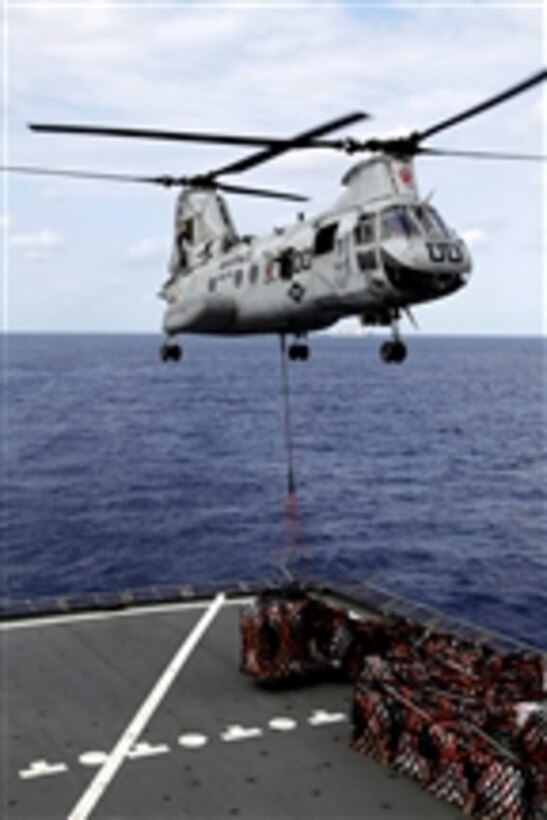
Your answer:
<point x="402" y="222"/>
<point x="413" y="220"/>
<point x="410" y="243"/>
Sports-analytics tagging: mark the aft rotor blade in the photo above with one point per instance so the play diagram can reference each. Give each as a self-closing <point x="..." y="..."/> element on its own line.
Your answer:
<point x="166" y="180"/>
<point x="483" y="106"/>
<point x="440" y="152"/>
<point x="159" y="134"/>
<point x="303" y="140"/>
<point x="261" y="192"/>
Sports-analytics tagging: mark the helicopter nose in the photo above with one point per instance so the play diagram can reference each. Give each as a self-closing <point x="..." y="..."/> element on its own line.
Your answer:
<point x="422" y="282"/>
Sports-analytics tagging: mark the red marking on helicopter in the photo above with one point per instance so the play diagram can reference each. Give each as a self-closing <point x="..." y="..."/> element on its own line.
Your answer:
<point x="405" y="175"/>
<point x="269" y="272"/>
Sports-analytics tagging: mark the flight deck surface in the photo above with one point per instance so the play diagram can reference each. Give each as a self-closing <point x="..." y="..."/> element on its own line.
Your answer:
<point x="139" y="714"/>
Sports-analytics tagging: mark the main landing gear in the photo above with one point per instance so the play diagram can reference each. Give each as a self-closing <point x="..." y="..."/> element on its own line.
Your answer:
<point x="299" y="351"/>
<point x="170" y="352"/>
<point x="394" y="350"/>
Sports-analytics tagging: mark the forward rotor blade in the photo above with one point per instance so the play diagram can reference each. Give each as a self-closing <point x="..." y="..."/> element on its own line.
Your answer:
<point x="440" y="152"/>
<point x="155" y="134"/>
<point x="303" y="140"/>
<point x="483" y="106"/>
<point x="166" y="180"/>
<point x="261" y="192"/>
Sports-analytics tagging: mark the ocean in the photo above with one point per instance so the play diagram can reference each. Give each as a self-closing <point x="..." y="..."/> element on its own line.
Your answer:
<point x="120" y="472"/>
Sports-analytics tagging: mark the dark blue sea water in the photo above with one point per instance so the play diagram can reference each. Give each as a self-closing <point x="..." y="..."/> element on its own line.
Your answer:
<point x="120" y="472"/>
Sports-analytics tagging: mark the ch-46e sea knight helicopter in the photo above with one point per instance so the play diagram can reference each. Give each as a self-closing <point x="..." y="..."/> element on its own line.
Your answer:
<point x="379" y="250"/>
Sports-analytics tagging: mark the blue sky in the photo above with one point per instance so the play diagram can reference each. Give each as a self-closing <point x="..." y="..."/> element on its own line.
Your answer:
<point x="91" y="256"/>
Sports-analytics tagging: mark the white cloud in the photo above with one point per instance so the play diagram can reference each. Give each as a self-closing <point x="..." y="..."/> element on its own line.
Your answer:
<point x="39" y="245"/>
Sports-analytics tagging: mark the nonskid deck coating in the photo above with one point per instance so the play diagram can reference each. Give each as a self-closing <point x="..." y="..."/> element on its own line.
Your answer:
<point x="216" y="746"/>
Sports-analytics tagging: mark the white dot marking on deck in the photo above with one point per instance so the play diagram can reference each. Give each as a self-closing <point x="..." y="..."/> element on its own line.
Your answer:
<point x="193" y="740"/>
<point x="282" y="724"/>
<point x="93" y="759"/>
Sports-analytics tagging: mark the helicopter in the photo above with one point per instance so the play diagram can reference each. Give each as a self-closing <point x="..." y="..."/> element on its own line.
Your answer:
<point x="376" y="252"/>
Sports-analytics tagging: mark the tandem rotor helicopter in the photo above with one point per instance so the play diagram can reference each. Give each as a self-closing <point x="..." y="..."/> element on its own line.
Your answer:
<point x="379" y="250"/>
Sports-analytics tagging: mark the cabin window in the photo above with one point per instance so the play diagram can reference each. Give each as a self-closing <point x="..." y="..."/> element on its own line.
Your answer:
<point x="365" y="232"/>
<point x="238" y="278"/>
<point x="286" y="264"/>
<point x="396" y="222"/>
<point x="324" y="239"/>
<point x="367" y="260"/>
<point x="253" y="274"/>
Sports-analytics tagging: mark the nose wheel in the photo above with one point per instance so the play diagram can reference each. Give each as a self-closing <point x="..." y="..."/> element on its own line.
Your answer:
<point x="170" y="352"/>
<point x="393" y="351"/>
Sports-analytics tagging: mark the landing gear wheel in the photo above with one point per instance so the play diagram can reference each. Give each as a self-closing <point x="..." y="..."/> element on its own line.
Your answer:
<point x="393" y="352"/>
<point x="299" y="352"/>
<point x="170" y="353"/>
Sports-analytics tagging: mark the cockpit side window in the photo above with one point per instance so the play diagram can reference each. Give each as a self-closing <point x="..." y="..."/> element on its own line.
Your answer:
<point x="430" y="221"/>
<point x="396" y="222"/>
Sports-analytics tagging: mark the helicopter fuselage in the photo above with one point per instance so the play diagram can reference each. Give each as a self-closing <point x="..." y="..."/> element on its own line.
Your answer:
<point x="380" y="249"/>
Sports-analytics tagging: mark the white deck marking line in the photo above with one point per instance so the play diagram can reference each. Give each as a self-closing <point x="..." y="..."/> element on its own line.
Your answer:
<point x="119" y="753"/>
<point x="68" y="619"/>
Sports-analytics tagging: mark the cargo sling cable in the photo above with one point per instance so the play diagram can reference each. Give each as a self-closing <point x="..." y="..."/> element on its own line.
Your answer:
<point x="290" y="513"/>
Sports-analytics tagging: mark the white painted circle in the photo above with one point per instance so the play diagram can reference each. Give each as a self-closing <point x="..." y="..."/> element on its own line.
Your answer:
<point x="193" y="740"/>
<point x="93" y="758"/>
<point x="282" y="724"/>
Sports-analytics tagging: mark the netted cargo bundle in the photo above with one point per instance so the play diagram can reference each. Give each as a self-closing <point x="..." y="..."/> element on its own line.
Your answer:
<point x="532" y="741"/>
<point x="438" y="729"/>
<point x="287" y="634"/>
<point x="272" y="632"/>
<point x="375" y="637"/>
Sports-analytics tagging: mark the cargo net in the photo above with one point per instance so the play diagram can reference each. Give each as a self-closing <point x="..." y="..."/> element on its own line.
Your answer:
<point x="288" y="635"/>
<point x="468" y="722"/>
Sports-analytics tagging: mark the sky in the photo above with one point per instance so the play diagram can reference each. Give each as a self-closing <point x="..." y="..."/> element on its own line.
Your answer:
<point x="91" y="256"/>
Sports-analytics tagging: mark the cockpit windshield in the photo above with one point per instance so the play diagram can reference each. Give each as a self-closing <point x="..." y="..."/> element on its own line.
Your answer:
<point x="412" y="220"/>
<point x="396" y="222"/>
<point x="429" y="221"/>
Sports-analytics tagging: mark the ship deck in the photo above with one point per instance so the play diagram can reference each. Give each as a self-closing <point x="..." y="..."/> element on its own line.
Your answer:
<point x="143" y="712"/>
